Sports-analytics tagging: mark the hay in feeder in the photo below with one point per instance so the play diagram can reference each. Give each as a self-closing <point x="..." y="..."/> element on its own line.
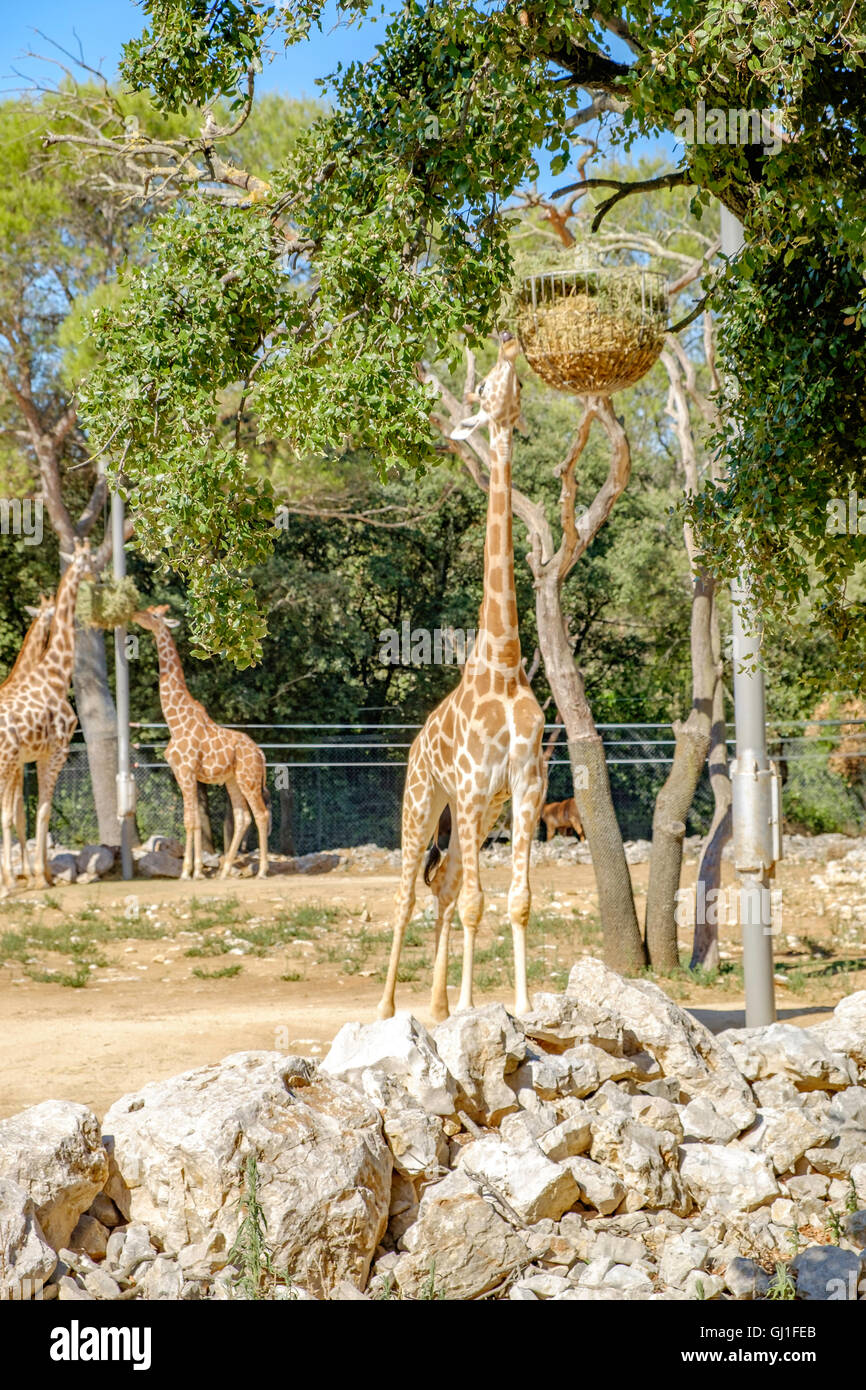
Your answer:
<point x="592" y="331"/>
<point x="108" y="602"/>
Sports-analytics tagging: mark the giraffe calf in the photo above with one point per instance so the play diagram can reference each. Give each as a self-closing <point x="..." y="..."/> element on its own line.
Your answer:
<point x="201" y="750"/>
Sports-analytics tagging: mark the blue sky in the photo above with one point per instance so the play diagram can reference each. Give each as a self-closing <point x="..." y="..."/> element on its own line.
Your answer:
<point x="102" y="26"/>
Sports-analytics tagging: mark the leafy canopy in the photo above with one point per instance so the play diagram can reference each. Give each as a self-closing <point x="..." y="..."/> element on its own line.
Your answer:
<point x="388" y="226"/>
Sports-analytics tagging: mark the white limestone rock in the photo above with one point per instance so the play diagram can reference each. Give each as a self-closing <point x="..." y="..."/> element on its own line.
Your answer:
<point x="845" y="1152"/>
<point x="681" y="1254"/>
<point x="415" y="1137"/>
<point x="324" y="1168"/>
<point x="784" y="1136"/>
<point x="529" y="1181"/>
<point x="745" y="1279"/>
<point x="599" y="1186"/>
<point x="459" y="1243"/>
<point x="724" y="1178"/>
<point x="54" y="1151"/>
<point x="650" y="1021"/>
<point x="27" y="1261"/>
<point x="481" y="1048"/>
<point x="846" y="1031"/>
<point x="644" y="1158"/>
<point x="399" y="1047"/>
<point x="701" y="1120"/>
<point x="782" y="1049"/>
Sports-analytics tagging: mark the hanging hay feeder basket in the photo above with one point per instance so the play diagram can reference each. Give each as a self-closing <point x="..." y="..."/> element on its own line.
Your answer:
<point x="108" y="602"/>
<point x="592" y="331"/>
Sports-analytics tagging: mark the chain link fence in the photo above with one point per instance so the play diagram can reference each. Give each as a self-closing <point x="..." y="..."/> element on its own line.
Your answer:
<point x="342" y="785"/>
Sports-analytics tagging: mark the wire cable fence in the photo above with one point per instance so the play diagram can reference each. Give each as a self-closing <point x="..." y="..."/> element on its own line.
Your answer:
<point x="341" y="785"/>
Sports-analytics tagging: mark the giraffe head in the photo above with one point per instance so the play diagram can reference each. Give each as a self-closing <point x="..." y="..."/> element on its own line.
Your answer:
<point x="79" y="564"/>
<point x="498" y="394"/>
<point x="45" y="612"/>
<point x="155" y="618"/>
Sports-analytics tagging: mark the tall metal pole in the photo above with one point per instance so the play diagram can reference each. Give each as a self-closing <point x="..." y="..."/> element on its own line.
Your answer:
<point x="754" y="782"/>
<point x="125" y="780"/>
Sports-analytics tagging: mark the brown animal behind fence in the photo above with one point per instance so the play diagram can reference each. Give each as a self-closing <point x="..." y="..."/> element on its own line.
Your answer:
<point x="562" y="815"/>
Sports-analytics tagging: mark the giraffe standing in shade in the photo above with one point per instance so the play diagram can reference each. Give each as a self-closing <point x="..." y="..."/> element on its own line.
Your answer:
<point x="37" y="721"/>
<point x="31" y="653"/>
<point x="201" y="751"/>
<point x="482" y="744"/>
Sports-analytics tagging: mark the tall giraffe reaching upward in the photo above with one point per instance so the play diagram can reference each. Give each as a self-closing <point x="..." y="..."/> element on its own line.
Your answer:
<point x="37" y="721"/>
<point x="482" y="744"/>
<point x="31" y="653"/>
<point x="200" y="750"/>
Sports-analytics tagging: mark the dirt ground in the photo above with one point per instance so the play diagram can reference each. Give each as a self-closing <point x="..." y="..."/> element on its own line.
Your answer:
<point x="106" y="986"/>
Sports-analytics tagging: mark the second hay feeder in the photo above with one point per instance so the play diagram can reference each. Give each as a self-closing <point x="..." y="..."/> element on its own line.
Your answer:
<point x="108" y="602"/>
<point x="592" y="331"/>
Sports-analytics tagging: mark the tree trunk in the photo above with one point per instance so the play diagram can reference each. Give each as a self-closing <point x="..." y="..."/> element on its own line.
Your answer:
<point x="623" y="947"/>
<point x="675" y="797"/>
<point x="706" y="945"/>
<point x="98" y="719"/>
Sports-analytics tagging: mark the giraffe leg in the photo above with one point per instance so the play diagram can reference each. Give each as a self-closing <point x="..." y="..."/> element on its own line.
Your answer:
<point x="242" y="820"/>
<point x="8" y="782"/>
<point x="21" y="826"/>
<point x="191" y="862"/>
<point x="423" y="802"/>
<point x="445" y="887"/>
<point x="527" y="799"/>
<point x="471" y="832"/>
<point x="47" y="772"/>
<point x="251" y="784"/>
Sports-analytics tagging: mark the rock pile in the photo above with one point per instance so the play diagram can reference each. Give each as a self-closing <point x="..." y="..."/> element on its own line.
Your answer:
<point x="841" y="895"/>
<point x="69" y="865"/>
<point x="607" y="1146"/>
<point x="565" y="849"/>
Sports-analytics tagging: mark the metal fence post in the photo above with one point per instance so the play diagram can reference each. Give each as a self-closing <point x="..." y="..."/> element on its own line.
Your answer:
<point x="125" y="779"/>
<point x="756" y="813"/>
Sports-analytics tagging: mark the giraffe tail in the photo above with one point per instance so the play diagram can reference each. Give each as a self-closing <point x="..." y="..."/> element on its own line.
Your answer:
<point x="266" y="796"/>
<point x="431" y="863"/>
<point x="439" y="847"/>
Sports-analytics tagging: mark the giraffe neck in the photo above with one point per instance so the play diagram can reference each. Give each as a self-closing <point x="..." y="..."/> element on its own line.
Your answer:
<point x="174" y="693"/>
<point x="56" y="664"/>
<point x="32" y="649"/>
<point x="497" y="644"/>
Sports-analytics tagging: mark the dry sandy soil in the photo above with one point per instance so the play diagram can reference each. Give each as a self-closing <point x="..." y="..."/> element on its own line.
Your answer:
<point x="99" y="991"/>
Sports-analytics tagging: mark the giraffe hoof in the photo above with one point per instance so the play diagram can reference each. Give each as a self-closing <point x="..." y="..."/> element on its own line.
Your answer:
<point x="385" y="1010"/>
<point x="439" y="1015"/>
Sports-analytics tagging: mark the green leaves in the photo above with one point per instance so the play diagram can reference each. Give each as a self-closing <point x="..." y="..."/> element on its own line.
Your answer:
<point x="398" y="197"/>
<point x="190" y="325"/>
<point x="195" y="50"/>
<point x="795" y="439"/>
